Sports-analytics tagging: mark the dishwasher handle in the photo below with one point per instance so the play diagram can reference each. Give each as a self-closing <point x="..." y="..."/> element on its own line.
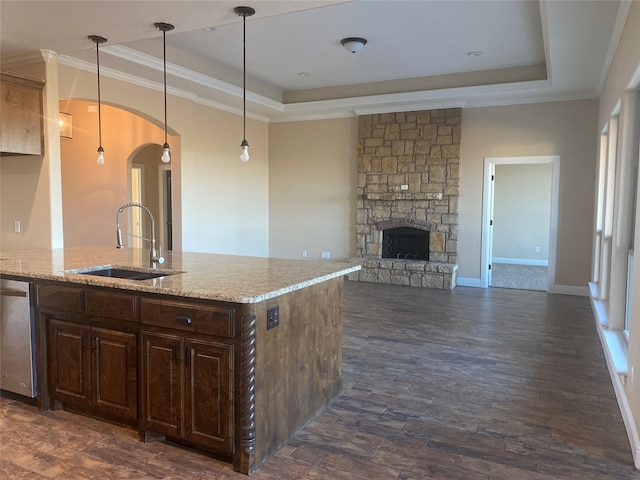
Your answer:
<point x="12" y="293"/>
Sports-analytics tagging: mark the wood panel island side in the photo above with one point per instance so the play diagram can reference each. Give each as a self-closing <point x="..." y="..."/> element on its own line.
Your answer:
<point x="231" y="355"/>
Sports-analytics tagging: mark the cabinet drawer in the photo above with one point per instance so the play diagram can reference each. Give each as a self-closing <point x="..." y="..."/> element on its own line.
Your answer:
<point x="112" y="305"/>
<point x="69" y="299"/>
<point x="199" y="318"/>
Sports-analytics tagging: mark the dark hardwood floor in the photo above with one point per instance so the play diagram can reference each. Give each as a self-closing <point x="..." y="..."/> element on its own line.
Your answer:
<point x="465" y="384"/>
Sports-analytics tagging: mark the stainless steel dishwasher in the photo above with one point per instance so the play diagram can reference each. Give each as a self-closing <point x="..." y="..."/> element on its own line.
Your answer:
<point x="17" y="338"/>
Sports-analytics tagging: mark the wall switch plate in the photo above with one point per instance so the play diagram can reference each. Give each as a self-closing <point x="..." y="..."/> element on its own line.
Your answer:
<point x="273" y="317"/>
<point x="404" y="187"/>
<point x="16" y="226"/>
<point x="304" y="254"/>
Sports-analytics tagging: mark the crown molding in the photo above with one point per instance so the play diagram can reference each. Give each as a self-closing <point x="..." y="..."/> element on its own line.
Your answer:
<point x="155" y="63"/>
<point x="535" y="91"/>
<point x="28" y="58"/>
<point x="141" y="82"/>
<point x="226" y="108"/>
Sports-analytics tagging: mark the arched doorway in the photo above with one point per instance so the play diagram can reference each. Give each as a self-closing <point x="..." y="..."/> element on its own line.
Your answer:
<point x="92" y="193"/>
<point x="150" y="181"/>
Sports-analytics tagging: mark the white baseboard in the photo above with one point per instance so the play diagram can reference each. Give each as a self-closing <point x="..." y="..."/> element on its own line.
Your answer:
<point x="521" y="261"/>
<point x="468" y="282"/>
<point x="555" y="289"/>
<point x="616" y="380"/>
<point x="569" y="290"/>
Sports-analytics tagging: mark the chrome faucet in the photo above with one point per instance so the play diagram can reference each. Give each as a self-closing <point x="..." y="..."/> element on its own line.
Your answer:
<point x="154" y="257"/>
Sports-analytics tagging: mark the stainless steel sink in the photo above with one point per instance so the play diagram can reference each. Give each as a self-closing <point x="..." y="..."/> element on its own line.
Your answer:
<point x="114" y="272"/>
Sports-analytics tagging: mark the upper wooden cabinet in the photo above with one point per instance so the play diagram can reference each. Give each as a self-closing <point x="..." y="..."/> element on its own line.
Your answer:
<point x="21" y="115"/>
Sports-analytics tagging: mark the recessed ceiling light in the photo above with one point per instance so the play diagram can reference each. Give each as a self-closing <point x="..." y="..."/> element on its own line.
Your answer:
<point x="304" y="74"/>
<point x="209" y="29"/>
<point x="474" y="53"/>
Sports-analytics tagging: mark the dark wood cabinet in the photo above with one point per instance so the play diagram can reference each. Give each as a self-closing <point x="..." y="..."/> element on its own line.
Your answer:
<point x="92" y="350"/>
<point x="69" y="363"/>
<point x="114" y="373"/>
<point x="93" y="369"/>
<point x="208" y="400"/>
<point x="162" y="376"/>
<point x="210" y="374"/>
<point x="187" y="372"/>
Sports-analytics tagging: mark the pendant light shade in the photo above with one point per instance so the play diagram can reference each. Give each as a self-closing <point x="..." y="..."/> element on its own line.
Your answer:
<point x="98" y="40"/>
<point x="164" y="28"/>
<point x="244" y="12"/>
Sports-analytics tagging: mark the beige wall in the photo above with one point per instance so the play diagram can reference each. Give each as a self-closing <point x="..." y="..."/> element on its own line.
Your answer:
<point x="223" y="202"/>
<point x="567" y="129"/>
<point x="625" y="64"/>
<point x="30" y="186"/>
<point x="312" y="181"/>
<point x="312" y="188"/>
<point x="522" y="203"/>
<point x="92" y="193"/>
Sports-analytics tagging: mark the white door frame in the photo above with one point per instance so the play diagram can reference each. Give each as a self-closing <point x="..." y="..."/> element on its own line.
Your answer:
<point x="137" y="195"/>
<point x="162" y="216"/>
<point x="487" y="212"/>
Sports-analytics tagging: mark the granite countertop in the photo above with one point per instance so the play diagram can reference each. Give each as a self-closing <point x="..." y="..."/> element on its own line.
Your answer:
<point x="226" y="278"/>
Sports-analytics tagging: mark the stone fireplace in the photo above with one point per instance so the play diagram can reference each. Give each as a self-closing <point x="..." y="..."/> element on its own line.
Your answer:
<point x="408" y="187"/>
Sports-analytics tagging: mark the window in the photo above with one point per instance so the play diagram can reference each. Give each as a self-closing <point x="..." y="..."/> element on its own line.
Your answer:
<point x="635" y="155"/>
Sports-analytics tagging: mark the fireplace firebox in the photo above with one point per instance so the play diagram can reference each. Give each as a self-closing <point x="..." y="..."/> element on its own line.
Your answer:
<point x="405" y="243"/>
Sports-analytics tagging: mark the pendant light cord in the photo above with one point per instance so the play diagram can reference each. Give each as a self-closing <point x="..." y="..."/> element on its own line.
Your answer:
<point x="164" y="56"/>
<point x="244" y="77"/>
<point x="99" y="102"/>
<point x="244" y="12"/>
<point x="164" y="28"/>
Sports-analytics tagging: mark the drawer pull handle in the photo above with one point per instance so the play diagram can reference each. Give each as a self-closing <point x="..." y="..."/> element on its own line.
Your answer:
<point x="185" y="320"/>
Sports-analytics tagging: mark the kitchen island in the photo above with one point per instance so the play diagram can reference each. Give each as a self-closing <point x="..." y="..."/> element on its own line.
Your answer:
<point x="231" y="355"/>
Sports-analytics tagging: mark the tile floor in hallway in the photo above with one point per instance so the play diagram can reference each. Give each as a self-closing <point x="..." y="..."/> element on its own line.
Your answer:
<point x="464" y="384"/>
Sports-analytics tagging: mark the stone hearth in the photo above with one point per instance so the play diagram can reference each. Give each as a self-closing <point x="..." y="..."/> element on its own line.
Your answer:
<point x="408" y="176"/>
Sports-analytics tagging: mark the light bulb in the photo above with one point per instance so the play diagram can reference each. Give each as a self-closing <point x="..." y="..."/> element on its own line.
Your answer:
<point x="100" y="156"/>
<point x="245" y="153"/>
<point x="166" y="153"/>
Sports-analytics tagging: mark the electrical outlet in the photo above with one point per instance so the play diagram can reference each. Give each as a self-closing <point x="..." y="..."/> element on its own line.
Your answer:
<point x="16" y="226"/>
<point x="537" y="249"/>
<point x="273" y="317"/>
<point x="304" y="254"/>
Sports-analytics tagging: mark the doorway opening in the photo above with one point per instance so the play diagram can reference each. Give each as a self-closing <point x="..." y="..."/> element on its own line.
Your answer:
<point x="137" y="196"/>
<point x="151" y="186"/>
<point x="519" y="228"/>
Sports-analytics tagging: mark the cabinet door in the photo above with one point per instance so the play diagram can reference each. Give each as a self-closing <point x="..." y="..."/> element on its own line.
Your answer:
<point x="70" y="362"/>
<point x="162" y="373"/>
<point x="114" y="389"/>
<point x="20" y="115"/>
<point x="208" y="395"/>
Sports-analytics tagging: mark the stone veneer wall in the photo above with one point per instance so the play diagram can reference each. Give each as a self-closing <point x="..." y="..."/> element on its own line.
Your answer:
<point x="408" y="170"/>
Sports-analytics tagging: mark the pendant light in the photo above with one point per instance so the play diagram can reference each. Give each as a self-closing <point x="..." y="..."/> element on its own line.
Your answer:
<point x="164" y="28"/>
<point x="97" y="39"/>
<point x="244" y="12"/>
